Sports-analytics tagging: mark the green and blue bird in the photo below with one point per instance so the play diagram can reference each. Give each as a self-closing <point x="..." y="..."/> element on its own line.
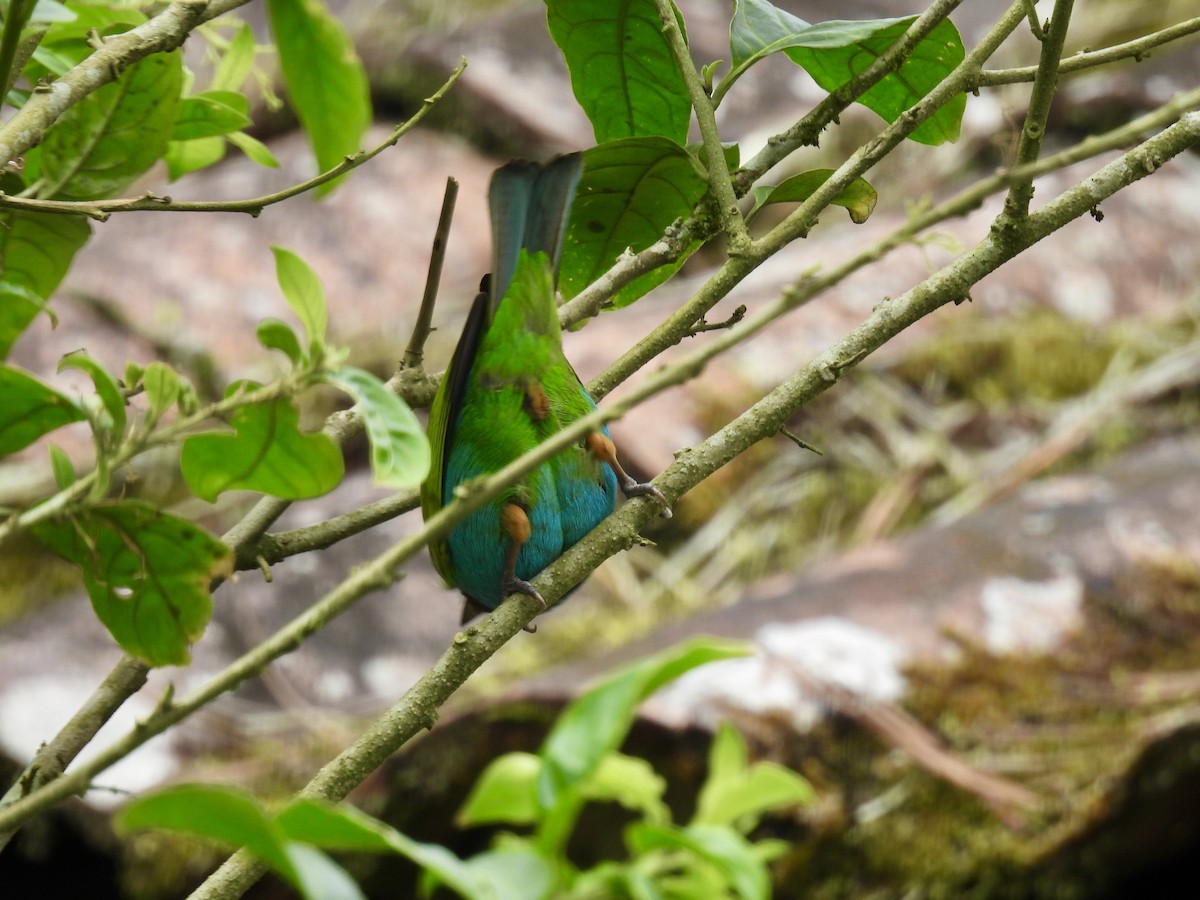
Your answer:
<point x="507" y="389"/>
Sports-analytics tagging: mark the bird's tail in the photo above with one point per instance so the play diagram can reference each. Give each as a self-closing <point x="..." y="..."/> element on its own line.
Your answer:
<point x="529" y="205"/>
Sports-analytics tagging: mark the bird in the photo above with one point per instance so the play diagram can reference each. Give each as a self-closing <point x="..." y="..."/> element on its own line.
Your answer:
<point x="508" y="388"/>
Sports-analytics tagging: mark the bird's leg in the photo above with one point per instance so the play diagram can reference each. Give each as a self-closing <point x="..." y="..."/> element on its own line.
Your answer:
<point x="605" y="450"/>
<point x="515" y="522"/>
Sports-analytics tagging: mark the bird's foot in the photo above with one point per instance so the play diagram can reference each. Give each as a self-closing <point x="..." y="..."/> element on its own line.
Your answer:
<point x="516" y="585"/>
<point x="604" y="449"/>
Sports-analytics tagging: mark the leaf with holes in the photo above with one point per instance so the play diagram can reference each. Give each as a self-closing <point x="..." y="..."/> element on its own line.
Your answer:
<point x="268" y="453"/>
<point x="146" y="572"/>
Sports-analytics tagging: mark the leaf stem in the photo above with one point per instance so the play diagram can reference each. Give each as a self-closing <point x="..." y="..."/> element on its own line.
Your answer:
<point x="719" y="182"/>
<point x="1033" y="132"/>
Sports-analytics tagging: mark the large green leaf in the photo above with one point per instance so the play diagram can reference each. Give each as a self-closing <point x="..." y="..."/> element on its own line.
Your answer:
<point x="834" y="52"/>
<point x="595" y="724"/>
<point x="30" y="409"/>
<point x="400" y="455"/>
<point x="114" y="134"/>
<point x="621" y="67"/>
<point x="630" y="191"/>
<point x="35" y="253"/>
<point x="324" y="77"/>
<point x="147" y="574"/>
<point x="268" y="453"/>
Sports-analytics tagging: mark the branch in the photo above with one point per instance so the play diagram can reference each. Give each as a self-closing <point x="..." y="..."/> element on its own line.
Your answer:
<point x="1016" y="206"/>
<point x="1137" y="48"/>
<point x="437" y="256"/>
<point x="417" y="709"/>
<point x="163" y="33"/>
<point x="100" y="210"/>
<point x="797" y="224"/>
<point x="719" y="185"/>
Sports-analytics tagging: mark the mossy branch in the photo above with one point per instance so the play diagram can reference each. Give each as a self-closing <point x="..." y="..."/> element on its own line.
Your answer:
<point x="416" y="710"/>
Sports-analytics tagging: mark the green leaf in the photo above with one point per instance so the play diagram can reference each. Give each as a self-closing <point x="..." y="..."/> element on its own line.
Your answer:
<point x="302" y="289"/>
<point x="724" y="848"/>
<point x="162" y="386"/>
<point x="236" y="62"/>
<point x="278" y="335"/>
<point x="516" y="870"/>
<point x="342" y="827"/>
<point x="63" y="468"/>
<point x="106" y="388"/>
<point x="931" y="61"/>
<point x="858" y="197"/>
<point x="256" y="151"/>
<point x="18" y="307"/>
<point x="35" y="253"/>
<point x="30" y="409"/>
<point x="834" y="52"/>
<point x="622" y="70"/>
<point x="268" y="453"/>
<point x="736" y="793"/>
<point x="324" y="77"/>
<point x="628" y="194"/>
<point x="185" y="157"/>
<point x="210" y="114"/>
<point x="632" y="782"/>
<point x="595" y="724"/>
<point x="101" y="144"/>
<point x="217" y="812"/>
<point x="318" y="877"/>
<point x="506" y="791"/>
<point x="400" y="454"/>
<point x="146" y="572"/>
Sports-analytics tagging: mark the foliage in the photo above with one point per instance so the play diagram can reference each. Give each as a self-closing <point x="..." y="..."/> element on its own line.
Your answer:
<point x="101" y="94"/>
<point x="711" y="856"/>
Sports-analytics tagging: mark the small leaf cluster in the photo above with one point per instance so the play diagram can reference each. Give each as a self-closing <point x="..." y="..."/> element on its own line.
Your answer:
<point x="149" y="573"/>
<point x="710" y="856"/>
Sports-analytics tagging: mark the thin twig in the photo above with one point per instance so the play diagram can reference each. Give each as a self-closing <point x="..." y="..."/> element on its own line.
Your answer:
<point x="100" y="210"/>
<point x="1137" y="49"/>
<point x="415" y="353"/>
<point x="1033" y="132"/>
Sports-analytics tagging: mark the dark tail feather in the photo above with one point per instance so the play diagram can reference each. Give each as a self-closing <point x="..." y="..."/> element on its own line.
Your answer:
<point x="529" y="205"/>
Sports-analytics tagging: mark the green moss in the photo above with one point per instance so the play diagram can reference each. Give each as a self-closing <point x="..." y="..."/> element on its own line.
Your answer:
<point x="1072" y="727"/>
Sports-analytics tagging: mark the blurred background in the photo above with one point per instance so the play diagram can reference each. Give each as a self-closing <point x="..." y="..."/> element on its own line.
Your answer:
<point x="998" y="539"/>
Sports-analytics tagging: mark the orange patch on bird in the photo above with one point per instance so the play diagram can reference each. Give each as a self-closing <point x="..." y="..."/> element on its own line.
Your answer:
<point x="515" y="523"/>
<point x="537" y="404"/>
<point x="602" y="447"/>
